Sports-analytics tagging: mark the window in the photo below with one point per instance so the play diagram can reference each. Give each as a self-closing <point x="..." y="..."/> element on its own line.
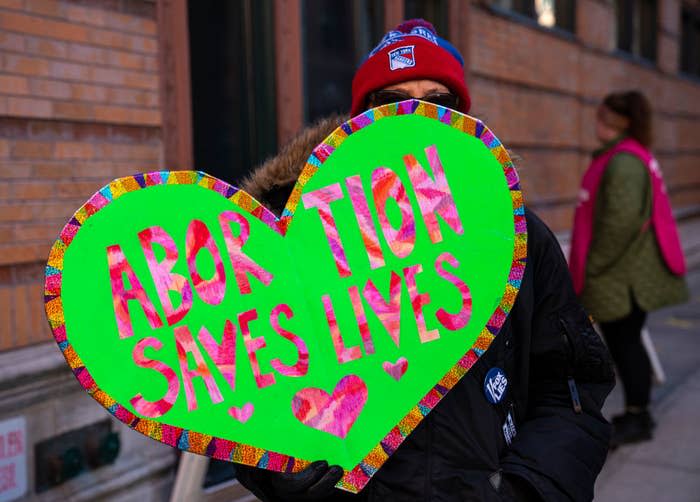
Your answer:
<point x="548" y="13"/>
<point x="690" y="41"/>
<point x="434" y="11"/>
<point x="636" y="27"/>
<point x="337" y="37"/>
<point x="232" y="70"/>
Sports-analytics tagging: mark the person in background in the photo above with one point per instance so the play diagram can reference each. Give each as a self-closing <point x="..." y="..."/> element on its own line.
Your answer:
<point x="544" y="437"/>
<point x="626" y="259"/>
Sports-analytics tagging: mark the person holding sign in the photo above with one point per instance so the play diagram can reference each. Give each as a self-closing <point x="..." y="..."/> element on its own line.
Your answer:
<point x="626" y="257"/>
<point x="524" y="423"/>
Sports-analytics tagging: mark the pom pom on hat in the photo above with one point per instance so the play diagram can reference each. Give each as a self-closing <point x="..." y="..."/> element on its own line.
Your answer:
<point x="408" y="25"/>
<point x="411" y="51"/>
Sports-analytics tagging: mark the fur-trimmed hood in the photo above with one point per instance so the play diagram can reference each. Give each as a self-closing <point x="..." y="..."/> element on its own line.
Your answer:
<point x="272" y="182"/>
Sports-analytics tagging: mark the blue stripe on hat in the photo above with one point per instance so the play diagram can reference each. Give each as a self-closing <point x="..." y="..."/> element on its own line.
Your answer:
<point x="395" y="36"/>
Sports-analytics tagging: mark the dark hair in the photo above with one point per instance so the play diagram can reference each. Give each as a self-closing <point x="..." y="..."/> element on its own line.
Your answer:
<point x="635" y="106"/>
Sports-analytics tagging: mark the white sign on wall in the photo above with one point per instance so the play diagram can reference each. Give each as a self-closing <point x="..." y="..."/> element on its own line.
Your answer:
<point x="13" y="459"/>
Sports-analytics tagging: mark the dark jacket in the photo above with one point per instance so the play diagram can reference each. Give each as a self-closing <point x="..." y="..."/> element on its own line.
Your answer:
<point x="553" y="361"/>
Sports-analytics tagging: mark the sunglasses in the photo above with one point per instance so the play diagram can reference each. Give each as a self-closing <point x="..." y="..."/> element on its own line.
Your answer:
<point x="446" y="99"/>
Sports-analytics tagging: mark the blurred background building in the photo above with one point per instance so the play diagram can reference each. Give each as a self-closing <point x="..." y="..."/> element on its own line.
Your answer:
<point x="91" y="90"/>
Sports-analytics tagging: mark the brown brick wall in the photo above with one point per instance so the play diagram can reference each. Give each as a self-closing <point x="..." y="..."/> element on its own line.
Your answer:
<point x="79" y="106"/>
<point x="538" y="92"/>
<point x="592" y="24"/>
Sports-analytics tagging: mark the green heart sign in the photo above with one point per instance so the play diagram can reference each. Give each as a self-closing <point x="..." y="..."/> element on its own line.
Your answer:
<point x="199" y="318"/>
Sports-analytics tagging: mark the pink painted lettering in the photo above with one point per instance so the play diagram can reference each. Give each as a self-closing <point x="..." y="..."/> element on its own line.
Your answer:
<point x="388" y="312"/>
<point x="241" y="263"/>
<point x="387" y="185"/>
<point x="252" y="345"/>
<point x="165" y="280"/>
<point x="198" y="237"/>
<point x="460" y="319"/>
<point x="418" y="301"/>
<point x="118" y="266"/>
<point x="186" y="345"/>
<point x="301" y="367"/>
<point x="321" y="199"/>
<point x="153" y="409"/>
<point x="343" y="353"/>
<point x="434" y="197"/>
<point x="223" y="354"/>
<point x="361" y="319"/>
<point x="365" y="222"/>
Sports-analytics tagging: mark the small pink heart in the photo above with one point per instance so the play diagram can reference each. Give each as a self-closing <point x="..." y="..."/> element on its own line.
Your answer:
<point x="335" y="413"/>
<point x="243" y="413"/>
<point x="396" y="370"/>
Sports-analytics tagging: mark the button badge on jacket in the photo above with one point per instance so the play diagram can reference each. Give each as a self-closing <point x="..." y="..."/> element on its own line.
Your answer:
<point x="495" y="385"/>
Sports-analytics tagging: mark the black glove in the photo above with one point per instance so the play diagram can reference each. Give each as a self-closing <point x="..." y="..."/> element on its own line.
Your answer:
<point x="316" y="482"/>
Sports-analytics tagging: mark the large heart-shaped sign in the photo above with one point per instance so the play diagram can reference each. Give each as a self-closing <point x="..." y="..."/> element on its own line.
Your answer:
<point x="198" y="318"/>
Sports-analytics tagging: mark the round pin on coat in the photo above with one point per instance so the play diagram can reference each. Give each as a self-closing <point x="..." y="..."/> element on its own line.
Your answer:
<point x="495" y="385"/>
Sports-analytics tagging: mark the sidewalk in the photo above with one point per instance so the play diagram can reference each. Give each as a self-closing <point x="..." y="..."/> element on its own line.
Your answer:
<point x="667" y="468"/>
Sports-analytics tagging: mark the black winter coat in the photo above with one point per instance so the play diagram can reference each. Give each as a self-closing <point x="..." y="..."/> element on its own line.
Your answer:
<point x="546" y="343"/>
<point x="559" y="374"/>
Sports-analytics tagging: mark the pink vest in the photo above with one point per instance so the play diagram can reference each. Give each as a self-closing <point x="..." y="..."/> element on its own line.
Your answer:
<point x="661" y="214"/>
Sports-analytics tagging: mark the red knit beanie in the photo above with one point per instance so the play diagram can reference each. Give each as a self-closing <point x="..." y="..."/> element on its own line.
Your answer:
<point x="412" y="51"/>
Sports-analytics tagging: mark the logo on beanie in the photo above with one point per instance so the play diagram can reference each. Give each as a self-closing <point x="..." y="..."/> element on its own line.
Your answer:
<point x="402" y="57"/>
<point x="395" y="36"/>
<point x="421" y="31"/>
